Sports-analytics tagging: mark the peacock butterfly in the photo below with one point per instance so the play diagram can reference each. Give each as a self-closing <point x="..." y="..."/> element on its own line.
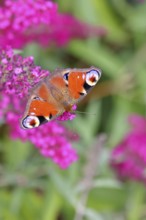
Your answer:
<point x="57" y="93"/>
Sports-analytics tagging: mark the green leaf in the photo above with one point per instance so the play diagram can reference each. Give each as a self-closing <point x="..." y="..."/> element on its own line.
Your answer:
<point x="135" y="202"/>
<point x="96" y="55"/>
<point x="52" y="204"/>
<point x="31" y="205"/>
<point x="88" y="124"/>
<point x="100" y="13"/>
<point x="103" y="198"/>
<point x="16" y="152"/>
<point x="63" y="186"/>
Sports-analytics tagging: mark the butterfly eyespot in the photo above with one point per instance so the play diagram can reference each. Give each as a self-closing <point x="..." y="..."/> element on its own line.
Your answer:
<point x="92" y="77"/>
<point x="65" y="77"/>
<point x="36" y="98"/>
<point x="30" y="122"/>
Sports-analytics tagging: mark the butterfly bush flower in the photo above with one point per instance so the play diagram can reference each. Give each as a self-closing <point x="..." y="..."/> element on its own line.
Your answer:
<point x="52" y="140"/>
<point x="129" y="157"/>
<point x="17" y="76"/>
<point x="22" y="22"/>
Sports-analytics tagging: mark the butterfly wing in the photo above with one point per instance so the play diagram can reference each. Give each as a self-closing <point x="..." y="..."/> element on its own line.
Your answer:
<point x="74" y="84"/>
<point x="79" y="82"/>
<point x="57" y="93"/>
<point x="41" y="107"/>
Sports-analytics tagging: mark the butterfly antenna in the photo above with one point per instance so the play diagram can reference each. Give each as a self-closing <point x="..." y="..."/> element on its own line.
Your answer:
<point x="88" y="113"/>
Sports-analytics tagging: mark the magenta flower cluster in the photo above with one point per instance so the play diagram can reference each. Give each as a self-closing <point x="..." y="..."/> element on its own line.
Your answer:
<point x="129" y="157"/>
<point x="17" y="76"/>
<point x="52" y="140"/>
<point x="22" y="22"/>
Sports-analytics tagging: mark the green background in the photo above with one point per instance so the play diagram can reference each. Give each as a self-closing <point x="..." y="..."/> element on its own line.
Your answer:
<point x="32" y="187"/>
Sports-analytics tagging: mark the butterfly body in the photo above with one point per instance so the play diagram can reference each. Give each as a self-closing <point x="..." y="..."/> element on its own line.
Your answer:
<point x="57" y="93"/>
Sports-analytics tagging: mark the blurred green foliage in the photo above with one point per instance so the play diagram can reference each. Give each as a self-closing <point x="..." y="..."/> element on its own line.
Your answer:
<point x="32" y="187"/>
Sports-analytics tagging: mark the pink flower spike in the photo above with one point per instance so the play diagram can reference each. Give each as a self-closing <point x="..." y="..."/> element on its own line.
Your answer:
<point x="51" y="140"/>
<point x="18" y="76"/>
<point x="129" y="157"/>
<point x="18" y="73"/>
<point x="22" y="22"/>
